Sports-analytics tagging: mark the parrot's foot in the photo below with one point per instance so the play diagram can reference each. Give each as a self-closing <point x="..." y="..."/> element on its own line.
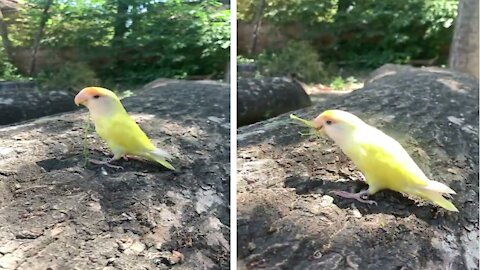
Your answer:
<point x="106" y="163"/>
<point x="361" y="196"/>
<point x="127" y="157"/>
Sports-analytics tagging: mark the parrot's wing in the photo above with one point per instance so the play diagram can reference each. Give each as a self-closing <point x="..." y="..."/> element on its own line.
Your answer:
<point x="388" y="157"/>
<point x="386" y="164"/>
<point x="122" y="131"/>
<point x="125" y="136"/>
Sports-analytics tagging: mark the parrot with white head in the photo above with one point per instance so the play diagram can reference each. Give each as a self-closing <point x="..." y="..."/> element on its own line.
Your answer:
<point x="383" y="161"/>
<point x="113" y="124"/>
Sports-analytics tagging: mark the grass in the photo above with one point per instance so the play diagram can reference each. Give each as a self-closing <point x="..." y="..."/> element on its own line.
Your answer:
<point x="86" y="129"/>
<point x="350" y="83"/>
<point x="306" y="123"/>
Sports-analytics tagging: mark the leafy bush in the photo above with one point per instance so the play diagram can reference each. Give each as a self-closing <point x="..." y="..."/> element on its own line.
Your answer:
<point x="69" y="76"/>
<point x="244" y="60"/>
<point x="8" y="72"/>
<point x="365" y="33"/>
<point x="297" y="58"/>
<point x="375" y="32"/>
<point x="133" y="41"/>
<point x="339" y="83"/>
<point x="288" y="11"/>
<point x="176" y="40"/>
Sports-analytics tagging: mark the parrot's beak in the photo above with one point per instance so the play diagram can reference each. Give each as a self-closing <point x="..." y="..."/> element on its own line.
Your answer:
<point x="317" y="124"/>
<point x="80" y="98"/>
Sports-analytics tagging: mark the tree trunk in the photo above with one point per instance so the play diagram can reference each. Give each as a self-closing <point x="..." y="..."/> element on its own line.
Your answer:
<point x="258" y="22"/>
<point x="120" y="27"/>
<point x="38" y="36"/>
<point x="464" y="49"/>
<point x="5" y="39"/>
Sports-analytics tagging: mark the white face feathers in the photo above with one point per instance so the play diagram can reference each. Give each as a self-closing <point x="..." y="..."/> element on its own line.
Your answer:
<point x="99" y="101"/>
<point x="338" y="125"/>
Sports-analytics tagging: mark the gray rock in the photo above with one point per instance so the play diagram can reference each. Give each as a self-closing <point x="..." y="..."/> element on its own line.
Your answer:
<point x="260" y="99"/>
<point x="7" y="85"/>
<point x="25" y="102"/>
<point x="433" y="113"/>
<point x="9" y="261"/>
<point x="90" y="215"/>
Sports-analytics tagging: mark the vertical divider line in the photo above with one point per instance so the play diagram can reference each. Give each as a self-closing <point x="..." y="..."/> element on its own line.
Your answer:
<point x="233" y="134"/>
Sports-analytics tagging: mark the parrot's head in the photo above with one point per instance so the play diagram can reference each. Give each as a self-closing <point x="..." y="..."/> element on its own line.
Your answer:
<point x="98" y="100"/>
<point x="337" y="124"/>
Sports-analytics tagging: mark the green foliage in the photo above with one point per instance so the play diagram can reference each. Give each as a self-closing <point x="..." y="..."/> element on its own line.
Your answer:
<point x="125" y="94"/>
<point x="80" y="23"/>
<point x="132" y="41"/>
<point x="288" y="11"/>
<point x="175" y="40"/>
<point x="364" y="33"/>
<point x="339" y="83"/>
<point x="86" y="130"/>
<point x="8" y="72"/>
<point x="372" y="33"/>
<point x="72" y="75"/>
<point x="244" y="60"/>
<point x="297" y="58"/>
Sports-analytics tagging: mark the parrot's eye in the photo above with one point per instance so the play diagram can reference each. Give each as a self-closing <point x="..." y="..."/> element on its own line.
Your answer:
<point x="329" y="122"/>
<point x="96" y="96"/>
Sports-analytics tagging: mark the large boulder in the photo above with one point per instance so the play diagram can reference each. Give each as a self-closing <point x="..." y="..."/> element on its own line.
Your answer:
<point x="22" y="101"/>
<point x="288" y="219"/>
<point x="263" y="98"/>
<point x="55" y="213"/>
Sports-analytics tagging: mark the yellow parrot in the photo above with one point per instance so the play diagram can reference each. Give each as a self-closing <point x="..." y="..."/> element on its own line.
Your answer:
<point x="383" y="161"/>
<point x="114" y="125"/>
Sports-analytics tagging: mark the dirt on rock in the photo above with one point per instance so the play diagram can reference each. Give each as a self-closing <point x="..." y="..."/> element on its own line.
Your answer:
<point x="288" y="219"/>
<point x="55" y="213"/>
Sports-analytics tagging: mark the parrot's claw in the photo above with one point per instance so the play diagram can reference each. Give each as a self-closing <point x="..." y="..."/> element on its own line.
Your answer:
<point x="106" y="163"/>
<point x="361" y="196"/>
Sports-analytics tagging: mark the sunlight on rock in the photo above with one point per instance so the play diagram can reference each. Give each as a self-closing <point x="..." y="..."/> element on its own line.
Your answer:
<point x="6" y="101"/>
<point x="5" y="151"/>
<point x="207" y="198"/>
<point x="452" y="85"/>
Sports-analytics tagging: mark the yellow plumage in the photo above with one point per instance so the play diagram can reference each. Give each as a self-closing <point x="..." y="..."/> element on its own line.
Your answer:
<point x="117" y="128"/>
<point x="383" y="161"/>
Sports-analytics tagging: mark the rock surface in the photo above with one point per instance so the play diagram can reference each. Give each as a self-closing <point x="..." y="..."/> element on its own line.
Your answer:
<point x="57" y="214"/>
<point x="260" y="99"/>
<point x="20" y="102"/>
<point x="287" y="219"/>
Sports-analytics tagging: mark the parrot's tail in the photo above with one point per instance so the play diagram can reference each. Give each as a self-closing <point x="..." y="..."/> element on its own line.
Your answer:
<point x="438" y="199"/>
<point x="439" y="187"/>
<point x="161" y="157"/>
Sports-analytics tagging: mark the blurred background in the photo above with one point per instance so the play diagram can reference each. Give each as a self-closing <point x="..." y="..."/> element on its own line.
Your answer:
<point x="335" y="44"/>
<point x="64" y="44"/>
